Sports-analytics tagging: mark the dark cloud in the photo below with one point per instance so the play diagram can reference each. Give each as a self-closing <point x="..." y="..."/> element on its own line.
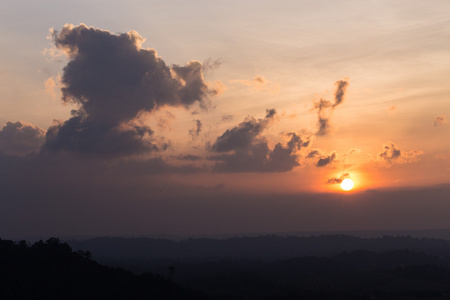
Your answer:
<point x="251" y="153"/>
<point x="77" y="135"/>
<point x="188" y="157"/>
<point x="112" y="79"/>
<point x="313" y="153"/>
<point x="323" y="161"/>
<point x="21" y="138"/>
<point x="335" y="180"/>
<point x="195" y="132"/>
<point x="439" y="120"/>
<point x="154" y="166"/>
<point x="391" y="154"/>
<point x="258" y="157"/>
<point x="341" y="88"/>
<point x="242" y="135"/>
<point x="324" y="107"/>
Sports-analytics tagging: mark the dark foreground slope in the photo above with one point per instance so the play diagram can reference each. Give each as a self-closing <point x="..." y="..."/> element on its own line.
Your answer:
<point x="51" y="270"/>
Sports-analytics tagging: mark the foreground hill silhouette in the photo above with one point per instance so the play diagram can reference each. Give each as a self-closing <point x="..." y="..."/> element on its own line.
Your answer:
<point x="51" y="270"/>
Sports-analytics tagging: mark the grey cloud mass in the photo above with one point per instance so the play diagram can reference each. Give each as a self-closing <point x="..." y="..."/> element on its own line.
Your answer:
<point x="242" y="135"/>
<point x="323" y="158"/>
<point x="112" y="79"/>
<point x="251" y="153"/>
<point x="21" y="138"/>
<point x="258" y="157"/>
<point x="323" y="161"/>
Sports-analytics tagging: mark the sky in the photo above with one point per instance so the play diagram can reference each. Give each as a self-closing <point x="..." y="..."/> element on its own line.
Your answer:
<point x="214" y="117"/>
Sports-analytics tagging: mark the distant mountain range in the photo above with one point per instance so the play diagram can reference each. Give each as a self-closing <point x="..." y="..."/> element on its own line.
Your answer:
<point x="268" y="247"/>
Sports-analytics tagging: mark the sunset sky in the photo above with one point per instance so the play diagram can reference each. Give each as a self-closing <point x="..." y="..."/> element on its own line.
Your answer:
<point x="212" y="117"/>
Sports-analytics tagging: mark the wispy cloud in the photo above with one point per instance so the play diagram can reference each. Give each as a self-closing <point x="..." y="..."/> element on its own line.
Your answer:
<point x="325" y="108"/>
<point x="439" y="120"/>
<point x="336" y="180"/>
<point x="260" y="83"/>
<point x="391" y="155"/>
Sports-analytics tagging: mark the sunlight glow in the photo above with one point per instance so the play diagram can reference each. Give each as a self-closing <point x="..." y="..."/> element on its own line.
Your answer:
<point x="347" y="184"/>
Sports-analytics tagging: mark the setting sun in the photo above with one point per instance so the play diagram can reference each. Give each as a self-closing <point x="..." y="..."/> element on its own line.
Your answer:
<point x="347" y="184"/>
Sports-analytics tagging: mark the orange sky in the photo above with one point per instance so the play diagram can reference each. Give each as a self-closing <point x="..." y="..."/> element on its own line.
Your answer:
<point x="234" y="105"/>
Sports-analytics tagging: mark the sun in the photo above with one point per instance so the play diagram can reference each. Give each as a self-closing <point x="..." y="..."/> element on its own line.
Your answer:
<point x="347" y="184"/>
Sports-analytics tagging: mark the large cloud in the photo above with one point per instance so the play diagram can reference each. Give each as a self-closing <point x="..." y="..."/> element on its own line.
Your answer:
<point x="242" y="135"/>
<point x="21" y="138"/>
<point x="112" y="79"/>
<point x="251" y="152"/>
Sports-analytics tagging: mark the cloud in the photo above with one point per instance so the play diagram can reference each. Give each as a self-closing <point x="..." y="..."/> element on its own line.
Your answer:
<point x="439" y="120"/>
<point x="194" y="132"/>
<point x="323" y="161"/>
<point x="251" y="152"/>
<point x="112" y="79"/>
<point x="21" y="138"/>
<point x="165" y="121"/>
<point x="242" y="135"/>
<point x="51" y="84"/>
<point x="210" y="65"/>
<point x="258" y="157"/>
<point x="336" y="180"/>
<point x="341" y="88"/>
<point x="187" y="157"/>
<point x="152" y="166"/>
<point x="226" y="118"/>
<point x="393" y="155"/>
<point x="259" y="83"/>
<point x="325" y="108"/>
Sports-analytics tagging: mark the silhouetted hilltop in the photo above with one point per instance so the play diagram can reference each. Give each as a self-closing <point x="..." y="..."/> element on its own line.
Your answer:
<point x="51" y="270"/>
